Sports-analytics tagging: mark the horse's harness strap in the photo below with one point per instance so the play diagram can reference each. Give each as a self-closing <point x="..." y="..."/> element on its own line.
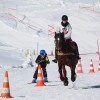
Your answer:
<point x="58" y="50"/>
<point x="65" y="54"/>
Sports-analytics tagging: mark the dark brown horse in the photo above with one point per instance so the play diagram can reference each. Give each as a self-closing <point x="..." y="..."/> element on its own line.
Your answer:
<point x="65" y="56"/>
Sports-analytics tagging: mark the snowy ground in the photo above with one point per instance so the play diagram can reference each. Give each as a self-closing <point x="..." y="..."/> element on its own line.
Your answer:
<point x="86" y="86"/>
<point x="24" y="24"/>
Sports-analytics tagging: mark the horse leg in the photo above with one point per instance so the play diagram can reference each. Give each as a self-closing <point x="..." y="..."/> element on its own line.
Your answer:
<point x="65" y="77"/>
<point x="64" y="71"/>
<point x="60" y="72"/>
<point x="73" y="74"/>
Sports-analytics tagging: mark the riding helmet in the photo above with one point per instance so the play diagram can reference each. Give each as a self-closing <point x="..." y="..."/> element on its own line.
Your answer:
<point x="42" y="52"/>
<point x="64" y="17"/>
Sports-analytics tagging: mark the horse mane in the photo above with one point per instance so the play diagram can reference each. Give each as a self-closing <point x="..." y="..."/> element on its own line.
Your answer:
<point x="61" y="35"/>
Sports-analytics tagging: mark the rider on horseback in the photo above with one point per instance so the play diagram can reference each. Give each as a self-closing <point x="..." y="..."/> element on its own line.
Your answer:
<point x="66" y="29"/>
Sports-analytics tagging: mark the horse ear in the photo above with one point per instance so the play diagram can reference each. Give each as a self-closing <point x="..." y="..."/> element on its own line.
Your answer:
<point x="55" y="35"/>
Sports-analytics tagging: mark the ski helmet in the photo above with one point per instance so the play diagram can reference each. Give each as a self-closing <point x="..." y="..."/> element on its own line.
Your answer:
<point x="42" y="52"/>
<point x="64" y="17"/>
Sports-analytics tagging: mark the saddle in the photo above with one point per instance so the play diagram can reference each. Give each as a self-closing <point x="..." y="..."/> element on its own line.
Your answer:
<point x="69" y="46"/>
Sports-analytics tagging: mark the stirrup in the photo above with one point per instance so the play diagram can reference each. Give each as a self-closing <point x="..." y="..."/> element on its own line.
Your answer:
<point x="55" y="60"/>
<point x="78" y="57"/>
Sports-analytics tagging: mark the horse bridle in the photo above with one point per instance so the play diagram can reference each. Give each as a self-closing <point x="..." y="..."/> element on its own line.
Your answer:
<point x="58" y="50"/>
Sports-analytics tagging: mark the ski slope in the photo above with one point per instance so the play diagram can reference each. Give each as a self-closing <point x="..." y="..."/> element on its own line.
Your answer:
<point x="24" y="24"/>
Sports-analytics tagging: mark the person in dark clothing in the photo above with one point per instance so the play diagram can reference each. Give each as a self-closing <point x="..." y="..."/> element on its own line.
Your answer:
<point x="43" y="60"/>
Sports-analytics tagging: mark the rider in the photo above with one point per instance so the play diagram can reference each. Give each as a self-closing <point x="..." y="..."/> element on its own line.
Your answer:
<point x="66" y="29"/>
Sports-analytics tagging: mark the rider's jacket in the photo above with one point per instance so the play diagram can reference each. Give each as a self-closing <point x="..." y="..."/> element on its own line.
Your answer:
<point x="66" y="29"/>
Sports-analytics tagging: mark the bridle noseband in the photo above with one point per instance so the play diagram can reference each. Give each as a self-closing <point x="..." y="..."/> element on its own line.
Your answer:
<point x="58" y="43"/>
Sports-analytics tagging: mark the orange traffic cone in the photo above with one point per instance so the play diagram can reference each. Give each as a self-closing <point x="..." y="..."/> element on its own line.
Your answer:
<point x="40" y="81"/>
<point x="6" y="91"/>
<point x="99" y="65"/>
<point x="79" y="67"/>
<point x="91" y="67"/>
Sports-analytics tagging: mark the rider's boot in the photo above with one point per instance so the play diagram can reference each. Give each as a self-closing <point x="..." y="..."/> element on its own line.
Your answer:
<point x="55" y="60"/>
<point x="78" y="57"/>
<point x="77" y="54"/>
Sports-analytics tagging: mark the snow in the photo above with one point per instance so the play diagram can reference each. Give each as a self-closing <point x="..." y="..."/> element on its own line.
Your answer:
<point x="24" y="25"/>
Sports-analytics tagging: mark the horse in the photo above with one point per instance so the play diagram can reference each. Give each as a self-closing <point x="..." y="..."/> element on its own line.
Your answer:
<point x="65" y="56"/>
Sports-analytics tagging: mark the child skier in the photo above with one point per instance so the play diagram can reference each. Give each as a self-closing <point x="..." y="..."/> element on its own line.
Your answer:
<point x="43" y="60"/>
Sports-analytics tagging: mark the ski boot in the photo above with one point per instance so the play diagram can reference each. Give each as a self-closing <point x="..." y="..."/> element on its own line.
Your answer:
<point x="45" y="79"/>
<point x="34" y="80"/>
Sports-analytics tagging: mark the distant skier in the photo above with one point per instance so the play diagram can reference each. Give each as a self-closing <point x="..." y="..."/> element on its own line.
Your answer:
<point x="28" y="62"/>
<point x="43" y="60"/>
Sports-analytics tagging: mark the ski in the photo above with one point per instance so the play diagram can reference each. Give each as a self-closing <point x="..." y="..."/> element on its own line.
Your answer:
<point x="30" y="83"/>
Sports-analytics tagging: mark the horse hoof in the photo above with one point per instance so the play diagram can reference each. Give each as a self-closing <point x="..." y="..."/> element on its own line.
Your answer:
<point x="66" y="82"/>
<point x="73" y="78"/>
<point x="62" y="78"/>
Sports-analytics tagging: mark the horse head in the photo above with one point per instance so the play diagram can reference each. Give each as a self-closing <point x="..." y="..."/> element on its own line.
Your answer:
<point x="59" y="41"/>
